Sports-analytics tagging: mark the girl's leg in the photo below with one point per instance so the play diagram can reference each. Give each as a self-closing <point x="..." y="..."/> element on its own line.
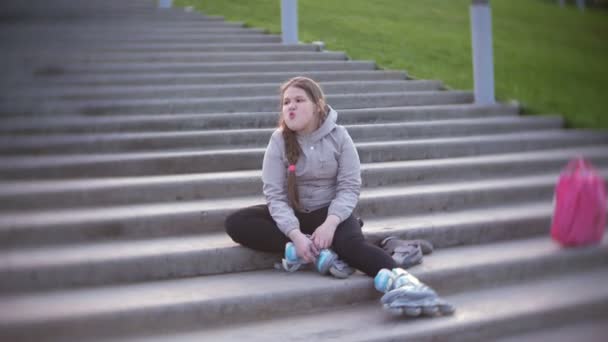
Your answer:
<point x="253" y="227"/>
<point x="350" y="245"/>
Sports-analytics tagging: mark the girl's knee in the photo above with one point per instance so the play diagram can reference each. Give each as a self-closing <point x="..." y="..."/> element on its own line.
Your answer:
<point x="348" y="245"/>
<point x="348" y="235"/>
<point x="233" y="225"/>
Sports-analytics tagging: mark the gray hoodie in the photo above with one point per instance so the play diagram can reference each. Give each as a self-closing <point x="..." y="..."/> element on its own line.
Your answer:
<point x="328" y="174"/>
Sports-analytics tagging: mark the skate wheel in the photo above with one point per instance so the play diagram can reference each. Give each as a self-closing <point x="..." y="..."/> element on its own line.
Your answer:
<point x="430" y="310"/>
<point x="412" y="312"/>
<point x="446" y="309"/>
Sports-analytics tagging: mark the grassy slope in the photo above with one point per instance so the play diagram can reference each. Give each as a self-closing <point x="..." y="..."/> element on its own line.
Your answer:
<point x="553" y="60"/>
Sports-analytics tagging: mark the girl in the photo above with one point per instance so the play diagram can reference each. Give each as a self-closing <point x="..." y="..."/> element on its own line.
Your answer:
<point x="311" y="176"/>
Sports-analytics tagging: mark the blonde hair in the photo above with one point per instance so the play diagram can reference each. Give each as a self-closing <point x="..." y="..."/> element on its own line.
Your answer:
<point x="292" y="147"/>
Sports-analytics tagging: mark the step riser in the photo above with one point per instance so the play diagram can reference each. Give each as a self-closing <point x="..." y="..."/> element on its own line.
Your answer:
<point x="116" y="16"/>
<point x="107" y="13"/>
<point x="190" y="48"/>
<point x="513" y="325"/>
<point x="195" y="39"/>
<point x="200" y="41"/>
<point x="78" y="124"/>
<point x="452" y="201"/>
<point x="13" y="168"/>
<point x="24" y="95"/>
<point x="67" y="32"/>
<point x="177" y="68"/>
<point x="202" y="79"/>
<point x="231" y="105"/>
<point x="94" y="61"/>
<point x="189" y="221"/>
<point x="46" y="145"/>
<point x="251" y="185"/>
<point x="237" y="259"/>
<point x="135" y="24"/>
<point x="99" y="41"/>
<point x="175" y="47"/>
<point x="212" y="313"/>
<point x="80" y="39"/>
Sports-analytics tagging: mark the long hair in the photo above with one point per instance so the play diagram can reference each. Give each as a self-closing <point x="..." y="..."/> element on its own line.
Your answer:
<point x="292" y="147"/>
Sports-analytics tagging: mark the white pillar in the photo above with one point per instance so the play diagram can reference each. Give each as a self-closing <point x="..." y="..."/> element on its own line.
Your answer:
<point x="483" y="58"/>
<point x="289" y="21"/>
<point x="580" y="4"/>
<point x="165" y="3"/>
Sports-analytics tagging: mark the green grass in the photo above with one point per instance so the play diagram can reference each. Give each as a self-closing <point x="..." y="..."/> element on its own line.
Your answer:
<point x="553" y="60"/>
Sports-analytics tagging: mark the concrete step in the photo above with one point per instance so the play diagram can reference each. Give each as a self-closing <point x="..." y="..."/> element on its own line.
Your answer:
<point x="470" y="226"/>
<point x="196" y="57"/>
<point x="231" y="104"/>
<point x="125" y="37"/>
<point x="202" y="78"/>
<point x="55" y="12"/>
<point x="482" y="315"/>
<point x="60" y="5"/>
<point x="132" y="24"/>
<point x="192" y="39"/>
<point x="117" y="23"/>
<point x="119" y="13"/>
<point x="98" y="262"/>
<point x="112" y="17"/>
<point x="247" y="67"/>
<point x="170" y="39"/>
<point x="174" y="47"/>
<point x="21" y="195"/>
<point x="193" y="73"/>
<point x="97" y="57"/>
<point x="589" y="330"/>
<point x="231" y="138"/>
<point x="188" y="122"/>
<point x="21" y="94"/>
<point x="78" y="40"/>
<point x="136" y="220"/>
<point x="67" y="31"/>
<point x="182" y="162"/>
<point x="202" y="302"/>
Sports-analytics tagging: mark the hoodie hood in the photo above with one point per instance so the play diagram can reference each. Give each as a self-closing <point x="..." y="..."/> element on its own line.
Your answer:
<point x="328" y="125"/>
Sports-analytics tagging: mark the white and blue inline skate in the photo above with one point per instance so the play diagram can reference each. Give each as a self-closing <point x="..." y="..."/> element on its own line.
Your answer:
<point x="404" y="294"/>
<point x="326" y="263"/>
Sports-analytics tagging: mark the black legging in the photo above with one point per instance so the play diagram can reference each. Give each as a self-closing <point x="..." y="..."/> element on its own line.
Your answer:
<point x="253" y="227"/>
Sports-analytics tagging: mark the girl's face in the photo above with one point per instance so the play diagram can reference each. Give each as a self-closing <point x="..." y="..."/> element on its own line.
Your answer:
<point x="299" y="111"/>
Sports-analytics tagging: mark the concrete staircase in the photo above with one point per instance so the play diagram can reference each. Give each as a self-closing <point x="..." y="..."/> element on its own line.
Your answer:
<point x="128" y="134"/>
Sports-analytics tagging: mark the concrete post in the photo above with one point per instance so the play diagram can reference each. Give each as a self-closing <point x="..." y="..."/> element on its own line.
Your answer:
<point x="483" y="58"/>
<point x="165" y="3"/>
<point x="289" y="21"/>
<point x="579" y="3"/>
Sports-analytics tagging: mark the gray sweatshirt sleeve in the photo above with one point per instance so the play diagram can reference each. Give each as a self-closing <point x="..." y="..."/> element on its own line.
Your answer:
<point x="349" y="180"/>
<point x="274" y="178"/>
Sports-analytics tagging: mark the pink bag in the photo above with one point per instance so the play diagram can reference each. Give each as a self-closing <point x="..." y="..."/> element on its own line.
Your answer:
<point x="579" y="216"/>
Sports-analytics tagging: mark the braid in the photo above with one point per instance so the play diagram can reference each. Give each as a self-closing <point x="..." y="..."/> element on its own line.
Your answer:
<point x="292" y="152"/>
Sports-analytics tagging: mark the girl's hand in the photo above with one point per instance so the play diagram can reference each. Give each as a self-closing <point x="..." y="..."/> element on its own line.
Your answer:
<point x="324" y="234"/>
<point x="305" y="248"/>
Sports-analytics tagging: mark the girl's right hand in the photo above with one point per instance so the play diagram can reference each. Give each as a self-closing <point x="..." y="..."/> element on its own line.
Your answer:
<point x="305" y="248"/>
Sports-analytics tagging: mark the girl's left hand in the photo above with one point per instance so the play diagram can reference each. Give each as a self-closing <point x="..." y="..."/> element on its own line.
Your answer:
<point x="323" y="236"/>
